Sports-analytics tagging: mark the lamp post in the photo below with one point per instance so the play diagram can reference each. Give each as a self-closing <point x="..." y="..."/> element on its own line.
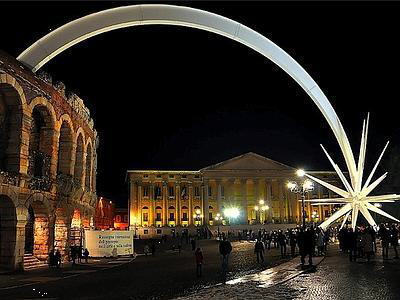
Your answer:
<point x="261" y="209"/>
<point x="301" y="188"/>
<point x="218" y="218"/>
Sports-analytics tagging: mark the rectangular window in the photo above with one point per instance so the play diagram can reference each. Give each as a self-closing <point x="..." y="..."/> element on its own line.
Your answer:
<point x="184" y="217"/>
<point x="145" y="191"/>
<point x="196" y="191"/>
<point x="196" y="176"/>
<point x="118" y="218"/>
<point x="171" y="191"/>
<point x="145" y="176"/>
<point x="146" y="231"/>
<point x="126" y="218"/>
<point x="171" y="216"/>
<point x="171" y="176"/>
<point x="157" y="191"/>
<point x="209" y="191"/>
<point x="210" y="216"/>
<point x="158" y="216"/>
<point x="184" y="176"/>
<point x="158" y="231"/>
<point x="158" y="176"/>
<point x="222" y="191"/>
<point x="145" y="217"/>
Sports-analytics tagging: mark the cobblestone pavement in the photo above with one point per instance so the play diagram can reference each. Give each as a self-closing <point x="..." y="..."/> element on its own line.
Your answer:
<point x="163" y="276"/>
<point x="335" y="278"/>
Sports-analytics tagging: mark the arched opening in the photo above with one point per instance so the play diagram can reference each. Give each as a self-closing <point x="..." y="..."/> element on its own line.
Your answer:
<point x="185" y="216"/>
<point x="64" y="150"/>
<point x="8" y="232"/>
<point x="171" y="216"/>
<point x="10" y="129"/>
<point x="61" y="232"/>
<point x="78" y="170"/>
<point x="158" y="216"/>
<point x="37" y="231"/>
<point x="41" y="144"/>
<point x="76" y="232"/>
<point x="88" y="174"/>
<point x="145" y="216"/>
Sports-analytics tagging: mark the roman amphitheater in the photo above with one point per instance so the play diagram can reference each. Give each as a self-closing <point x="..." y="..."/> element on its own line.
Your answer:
<point x="47" y="166"/>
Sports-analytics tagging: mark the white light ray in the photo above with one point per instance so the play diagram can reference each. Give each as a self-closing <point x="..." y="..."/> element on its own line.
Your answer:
<point x="333" y="188"/>
<point x="367" y="215"/>
<point x="336" y="216"/>
<point x="376" y="165"/>
<point x="339" y="172"/>
<point x="329" y="200"/>
<point x="373" y="185"/>
<point x="380" y="211"/>
<point x="345" y="219"/>
<point x="354" y="215"/>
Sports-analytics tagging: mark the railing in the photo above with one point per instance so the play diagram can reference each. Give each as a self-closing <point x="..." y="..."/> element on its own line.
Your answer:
<point x="8" y="178"/>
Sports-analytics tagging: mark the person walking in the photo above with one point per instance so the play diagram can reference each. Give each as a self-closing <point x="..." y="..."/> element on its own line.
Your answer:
<point x="73" y="254"/>
<point x="259" y="250"/>
<point x="292" y="242"/>
<point x="57" y="257"/>
<point x="320" y="241"/>
<point x="368" y="243"/>
<point x="384" y="235"/>
<point x="146" y="249"/>
<point x="86" y="255"/>
<point x="394" y="240"/>
<point x="193" y="243"/>
<point x="282" y="243"/>
<point x="352" y="244"/>
<point x="199" y="261"/>
<point x="225" y="249"/>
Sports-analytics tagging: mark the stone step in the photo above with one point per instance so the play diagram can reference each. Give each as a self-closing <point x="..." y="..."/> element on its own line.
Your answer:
<point x="31" y="262"/>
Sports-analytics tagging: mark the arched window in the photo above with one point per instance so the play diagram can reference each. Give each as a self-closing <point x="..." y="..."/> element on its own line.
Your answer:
<point x="78" y="170"/>
<point x="64" y="149"/>
<point x="10" y="128"/>
<point x="41" y="142"/>
<point x="88" y="174"/>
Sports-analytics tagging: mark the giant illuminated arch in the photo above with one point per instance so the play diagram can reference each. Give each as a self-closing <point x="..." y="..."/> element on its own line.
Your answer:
<point x="155" y="14"/>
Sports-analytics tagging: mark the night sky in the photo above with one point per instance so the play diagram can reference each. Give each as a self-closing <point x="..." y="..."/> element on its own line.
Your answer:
<point x="166" y="97"/>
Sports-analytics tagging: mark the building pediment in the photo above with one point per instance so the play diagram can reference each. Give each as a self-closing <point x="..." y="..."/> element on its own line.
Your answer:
<point x="248" y="162"/>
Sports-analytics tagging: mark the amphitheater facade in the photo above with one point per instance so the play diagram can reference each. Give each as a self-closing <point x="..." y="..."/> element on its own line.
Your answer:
<point x="47" y="166"/>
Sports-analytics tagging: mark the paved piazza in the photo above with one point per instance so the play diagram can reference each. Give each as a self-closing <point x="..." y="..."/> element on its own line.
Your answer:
<point x="334" y="278"/>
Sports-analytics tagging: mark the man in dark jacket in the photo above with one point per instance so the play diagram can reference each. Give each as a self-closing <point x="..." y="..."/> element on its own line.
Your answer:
<point x="259" y="250"/>
<point x="225" y="248"/>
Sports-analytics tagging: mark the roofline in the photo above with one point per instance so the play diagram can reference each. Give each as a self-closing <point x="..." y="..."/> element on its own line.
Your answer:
<point x="162" y="171"/>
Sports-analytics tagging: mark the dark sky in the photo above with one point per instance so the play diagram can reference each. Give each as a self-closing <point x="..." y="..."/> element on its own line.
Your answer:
<point x="166" y="97"/>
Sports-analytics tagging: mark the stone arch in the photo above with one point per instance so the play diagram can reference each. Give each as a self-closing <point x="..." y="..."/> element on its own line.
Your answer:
<point x="42" y="139"/>
<point x="8" y="232"/>
<point x="37" y="229"/>
<point x="11" y="125"/>
<point x="61" y="228"/>
<point x="65" y="148"/>
<point x="83" y="28"/>
<point x="79" y="155"/>
<point x="88" y="165"/>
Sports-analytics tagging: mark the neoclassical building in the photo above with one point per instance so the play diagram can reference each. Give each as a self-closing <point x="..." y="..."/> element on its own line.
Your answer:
<point x="47" y="166"/>
<point x="254" y="185"/>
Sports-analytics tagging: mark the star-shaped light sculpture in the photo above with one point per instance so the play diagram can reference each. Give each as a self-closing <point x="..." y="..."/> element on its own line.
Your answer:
<point x="356" y="198"/>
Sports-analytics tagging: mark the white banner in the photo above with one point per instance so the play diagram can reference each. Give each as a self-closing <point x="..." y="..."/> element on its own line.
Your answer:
<point x="109" y="243"/>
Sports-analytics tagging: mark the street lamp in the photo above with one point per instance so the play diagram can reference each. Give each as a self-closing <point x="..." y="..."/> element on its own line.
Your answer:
<point x="231" y="213"/>
<point x="218" y="218"/>
<point x="301" y="188"/>
<point x="261" y="208"/>
<point x="197" y="216"/>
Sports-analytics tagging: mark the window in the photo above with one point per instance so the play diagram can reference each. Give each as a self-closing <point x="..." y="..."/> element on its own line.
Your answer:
<point x="158" y="231"/>
<point x="185" y="216"/>
<point x="157" y="191"/>
<point x="196" y="176"/>
<point x="146" y="231"/>
<point x="210" y="216"/>
<point x="171" y="176"/>
<point x="171" y="217"/>
<point x="222" y="191"/>
<point x="145" y="176"/>
<point x="171" y="191"/>
<point x="145" y="217"/>
<point x="146" y="191"/>
<point x="158" y="216"/>
<point x="184" y="176"/>
<point x="126" y="219"/>
<point x="158" y="176"/>
<point x="209" y="191"/>
<point x="118" y="218"/>
<point x="196" y="191"/>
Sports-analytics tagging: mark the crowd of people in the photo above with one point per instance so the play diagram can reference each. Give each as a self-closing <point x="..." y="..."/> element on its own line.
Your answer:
<point x="362" y="242"/>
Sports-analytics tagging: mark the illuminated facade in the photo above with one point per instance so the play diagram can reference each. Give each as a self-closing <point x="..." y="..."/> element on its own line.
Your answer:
<point x="162" y="199"/>
<point x="47" y="167"/>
